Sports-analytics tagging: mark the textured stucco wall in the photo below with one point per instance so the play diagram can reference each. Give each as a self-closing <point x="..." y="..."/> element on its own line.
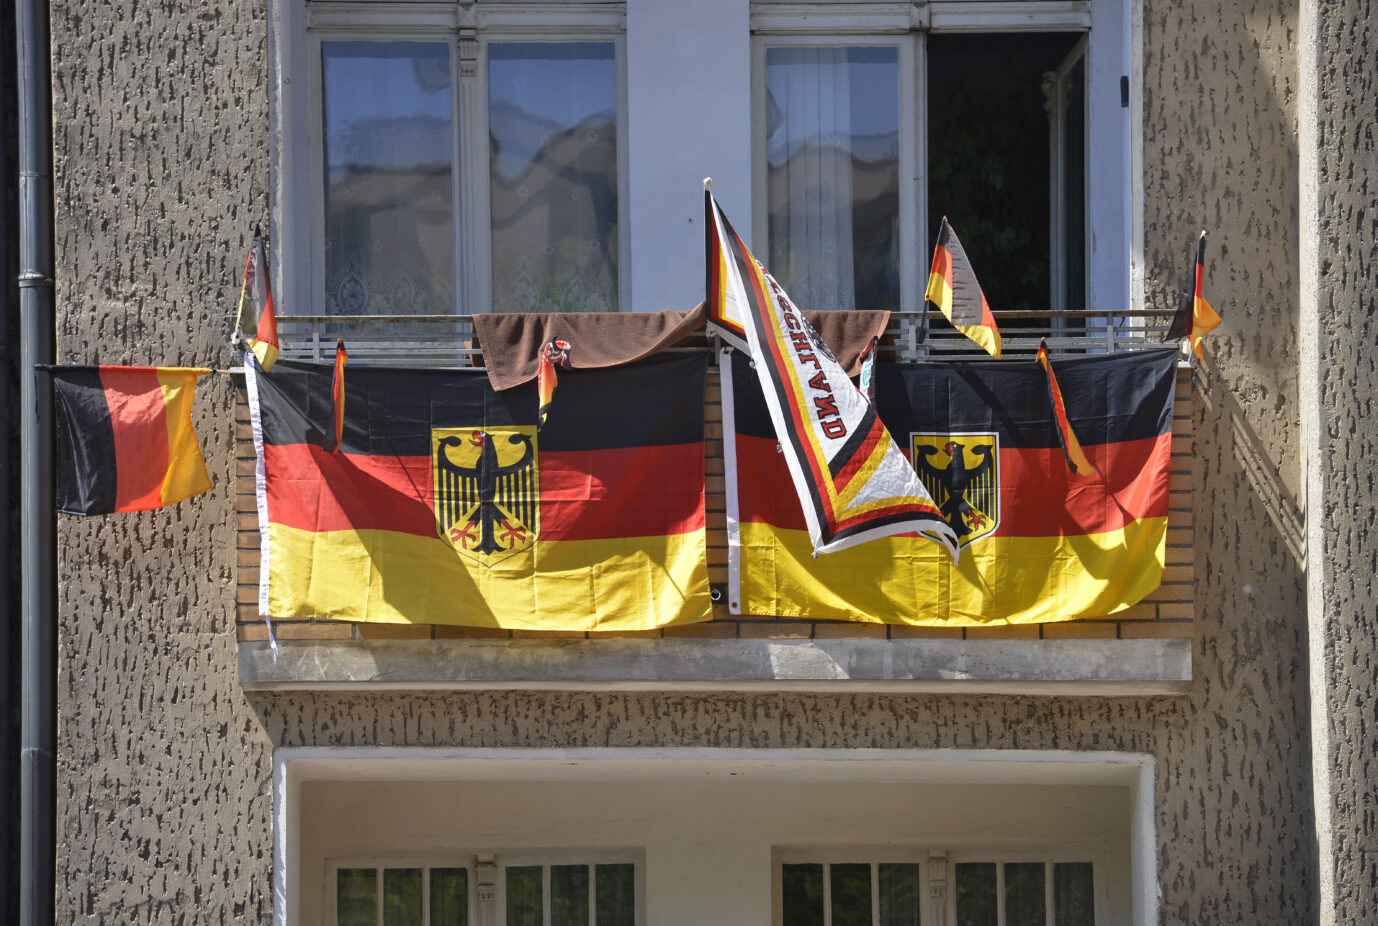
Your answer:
<point x="1341" y="263"/>
<point x="161" y="166"/>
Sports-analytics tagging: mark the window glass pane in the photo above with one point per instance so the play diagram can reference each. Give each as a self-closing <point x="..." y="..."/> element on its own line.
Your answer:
<point x="615" y="888"/>
<point x="900" y="895"/>
<point x="988" y="156"/>
<point x="356" y="897"/>
<point x="524" y="896"/>
<point x="832" y="175"/>
<point x="552" y="123"/>
<point x="569" y="895"/>
<point x="851" y="890"/>
<point x="402" y="897"/>
<point x="449" y="897"/>
<point x="1074" y="899"/>
<point x="389" y="232"/>
<point x="976" y="895"/>
<point x="802" y="895"/>
<point x="1025" y="894"/>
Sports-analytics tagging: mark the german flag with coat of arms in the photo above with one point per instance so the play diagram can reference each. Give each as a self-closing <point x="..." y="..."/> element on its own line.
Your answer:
<point x="445" y="506"/>
<point x="1039" y="542"/>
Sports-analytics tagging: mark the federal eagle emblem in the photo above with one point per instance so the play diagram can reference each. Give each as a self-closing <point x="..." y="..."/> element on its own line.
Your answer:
<point x="486" y="490"/>
<point x="961" y="472"/>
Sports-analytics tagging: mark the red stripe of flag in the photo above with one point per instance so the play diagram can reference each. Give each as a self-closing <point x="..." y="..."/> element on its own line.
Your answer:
<point x="135" y="398"/>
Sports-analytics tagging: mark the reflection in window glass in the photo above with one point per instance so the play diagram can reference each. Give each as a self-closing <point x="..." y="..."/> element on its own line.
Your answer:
<point x="1025" y="894"/>
<point x="524" y="896"/>
<point x="449" y="897"/>
<point x="569" y="895"/>
<point x="851" y="894"/>
<point x="900" y="894"/>
<point x="976" y="894"/>
<point x="1073" y="894"/>
<point x="802" y="895"/>
<point x="356" y="897"/>
<point x="552" y="122"/>
<point x="832" y="175"/>
<point x="389" y="230"/>
<point x="402" y="897"/>
<point x="615" y="888"/>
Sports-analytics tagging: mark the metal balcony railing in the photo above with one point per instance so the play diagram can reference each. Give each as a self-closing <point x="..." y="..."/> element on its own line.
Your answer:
<point x="448" y="340"/>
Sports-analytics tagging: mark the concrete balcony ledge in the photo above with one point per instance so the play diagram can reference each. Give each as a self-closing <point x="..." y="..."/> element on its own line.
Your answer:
<point x="1048" y="667"/>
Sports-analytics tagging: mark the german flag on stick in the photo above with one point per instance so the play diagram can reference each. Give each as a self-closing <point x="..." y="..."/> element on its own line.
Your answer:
<point x="337" y="392"/>
<point x="444" y="505"/>
<point x="953" y="288"/>
<point x="258" y="325"/>
<point x="1195" y="318"/>
<point x="125" y="439"/>
<point x="1071" y="447"/>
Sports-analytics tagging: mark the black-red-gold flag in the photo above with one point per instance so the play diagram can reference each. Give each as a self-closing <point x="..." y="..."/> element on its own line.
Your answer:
<point x="953" y="288"/>
<point x="1038" y="543"/>
<point x="1071" y="447"/>
<point x="257" y="322"/>
<point x="337" y="393"/>
<point x="1195" y="318"/>
<point x="444" y="505"/>
<point x="125" y="438"/>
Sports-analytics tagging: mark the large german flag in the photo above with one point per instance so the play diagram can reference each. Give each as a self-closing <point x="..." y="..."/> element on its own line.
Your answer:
<point x="444" y="506"/>
<point x="1041" y="543"/>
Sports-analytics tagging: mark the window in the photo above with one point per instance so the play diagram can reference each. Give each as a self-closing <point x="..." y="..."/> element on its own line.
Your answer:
<point x="871" y="125"/>
<point x="895" y="887"/>
<point x="565" y="890"/>
<point x="451" y="162"/>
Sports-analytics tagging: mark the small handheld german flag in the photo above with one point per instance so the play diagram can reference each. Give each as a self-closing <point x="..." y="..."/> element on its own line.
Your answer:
<point x="1195" y="318"/>
<point x="555" y="354"/>
<point x="337" y="392"/>
<point x="258" y="326"/>
<point x="953" y="288"/>
<point x="1071" y="447"/>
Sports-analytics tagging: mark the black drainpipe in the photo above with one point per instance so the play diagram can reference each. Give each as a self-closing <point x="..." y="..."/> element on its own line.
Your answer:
<point x="8" y="691"/>
<point x="38" y="527"/>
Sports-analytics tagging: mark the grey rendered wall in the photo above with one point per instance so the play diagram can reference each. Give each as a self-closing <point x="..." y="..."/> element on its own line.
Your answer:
<point x="1340" y="279"/>
<point x="163" y="816"/>
<point x="161" y="163"/>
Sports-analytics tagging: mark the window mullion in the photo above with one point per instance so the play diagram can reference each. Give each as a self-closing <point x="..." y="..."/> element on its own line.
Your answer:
<point x="471" y="125"/>
<point x="914" y="173"/>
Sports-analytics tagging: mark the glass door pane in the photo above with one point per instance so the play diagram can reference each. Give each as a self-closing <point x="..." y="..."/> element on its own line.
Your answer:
<point x="615" y="888"/>
<point x="1074" y="900"/>
<point x="977" y="896"/>
<point x="832" y="174"/>
<point x="1026" y="895"/>
<point x="524" y="900"/>
<point x="449" y="897"/>
<point x="802" y="895"/>
<point x="851" y="894"/>
<point x="388" y="164"/>
<point x="569" y="895"/>
<point x="356" y="897"/>
<point x="552" y="125"/>
<point x="402" y="897"/>
<point x="901" y="894"/>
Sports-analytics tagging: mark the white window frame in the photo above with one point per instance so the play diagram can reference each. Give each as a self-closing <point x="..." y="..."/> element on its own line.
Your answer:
<point x="938" y="874"/>
<point x="470" y="861"/>
<point x="1110" y="202"/>
<point x="1095" y="855"/>
<point x="297" y="28"/>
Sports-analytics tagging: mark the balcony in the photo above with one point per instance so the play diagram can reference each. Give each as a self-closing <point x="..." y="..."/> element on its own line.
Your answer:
<point x="1145" y="649"/>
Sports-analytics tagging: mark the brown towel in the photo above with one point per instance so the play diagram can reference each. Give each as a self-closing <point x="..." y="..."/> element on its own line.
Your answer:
<point x="512" y="343"/>
<point x="848" y="331"/>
